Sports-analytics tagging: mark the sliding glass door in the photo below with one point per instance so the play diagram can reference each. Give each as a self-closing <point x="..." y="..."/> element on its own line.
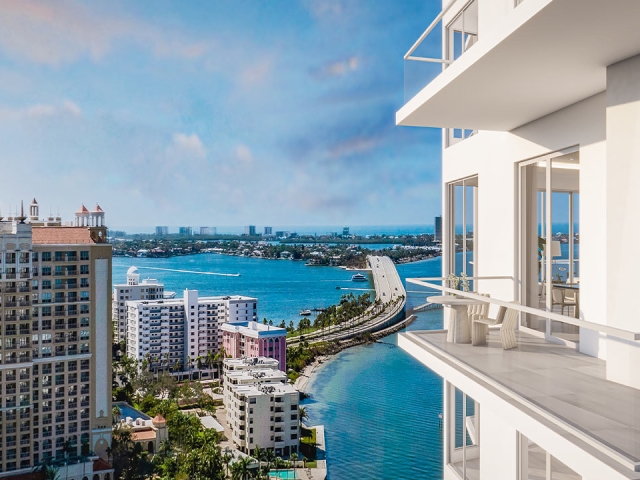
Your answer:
<point x="462" y="226"/>
<point x="549" y="241"/>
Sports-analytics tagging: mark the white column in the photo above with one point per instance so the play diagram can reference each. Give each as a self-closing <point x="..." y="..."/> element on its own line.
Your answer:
<point x="622" y="226"/>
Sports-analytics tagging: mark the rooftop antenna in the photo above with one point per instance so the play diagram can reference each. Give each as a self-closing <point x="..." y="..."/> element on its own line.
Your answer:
<point x="22" y="218"/>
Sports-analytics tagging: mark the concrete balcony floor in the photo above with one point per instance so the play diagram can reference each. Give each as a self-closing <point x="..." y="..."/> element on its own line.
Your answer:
<point x="558" y="382"/>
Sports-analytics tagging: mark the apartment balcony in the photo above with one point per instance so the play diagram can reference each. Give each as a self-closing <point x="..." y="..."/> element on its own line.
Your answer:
<point x="557" y="385"/>
<point x="541" y="56"/>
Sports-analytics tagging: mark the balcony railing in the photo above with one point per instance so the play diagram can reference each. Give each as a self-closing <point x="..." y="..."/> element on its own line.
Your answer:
<point x="552" y="316"/>
<point x="460" y="34"/>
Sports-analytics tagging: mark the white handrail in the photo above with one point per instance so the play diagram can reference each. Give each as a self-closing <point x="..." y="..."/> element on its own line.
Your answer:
<point x="428" y="30"/>
<point x="613" y="331"/>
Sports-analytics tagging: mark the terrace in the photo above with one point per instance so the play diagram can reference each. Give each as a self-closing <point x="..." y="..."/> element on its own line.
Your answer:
<point x="542" y="378"/>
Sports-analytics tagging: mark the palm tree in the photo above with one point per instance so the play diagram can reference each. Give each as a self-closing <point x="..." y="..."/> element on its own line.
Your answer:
<point x="259" y="454"/>
<point x="226" y="459"/>
<point x="240" y="468"/>
<point x="294" y="460"/>
<point x="270" y="457"/>
<point x="115" y="415"/>
<point x="302" y="413"/>
<point x="210" y="360"/>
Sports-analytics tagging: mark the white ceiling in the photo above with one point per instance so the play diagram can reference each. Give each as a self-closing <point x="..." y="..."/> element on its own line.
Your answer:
<point x="554" y="59"/>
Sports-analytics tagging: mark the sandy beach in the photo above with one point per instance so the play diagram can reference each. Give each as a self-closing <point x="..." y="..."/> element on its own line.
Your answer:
<point x="305" y="377"/>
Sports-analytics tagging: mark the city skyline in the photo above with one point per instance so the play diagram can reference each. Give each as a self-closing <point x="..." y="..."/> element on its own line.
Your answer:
<point x="207" y="113"/>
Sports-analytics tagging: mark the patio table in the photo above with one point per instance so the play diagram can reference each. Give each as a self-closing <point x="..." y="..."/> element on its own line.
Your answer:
<point x="459" y="324"/>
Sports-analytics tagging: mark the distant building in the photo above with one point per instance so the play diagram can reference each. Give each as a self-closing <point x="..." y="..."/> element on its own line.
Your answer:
<point x="268" y="231"/>
<point x="205" y="231"/>
<point x="345" y="232"/>
<point x="183" y="329"/>
<point x="253" y="339"/>
<point x="162" y="231"/>
<point x="185" y="231"/>
<point x="117" y="233"/>
<point x="250" y="230"/>
<point x="262" y="408"/>
<point x="281" y="233"/>
<point x="438" y="229"/>
<point x="149" y="289"/>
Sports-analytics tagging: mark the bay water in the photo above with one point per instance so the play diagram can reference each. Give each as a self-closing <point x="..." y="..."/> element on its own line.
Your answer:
<point x="379" y="406"/>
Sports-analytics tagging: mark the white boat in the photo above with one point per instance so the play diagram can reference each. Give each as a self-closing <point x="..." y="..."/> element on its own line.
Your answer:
<point x="358" y="277"/>
<point x="305" y="313"/>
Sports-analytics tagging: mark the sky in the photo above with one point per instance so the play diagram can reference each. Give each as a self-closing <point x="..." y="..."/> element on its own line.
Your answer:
<point x="215" y="112"/>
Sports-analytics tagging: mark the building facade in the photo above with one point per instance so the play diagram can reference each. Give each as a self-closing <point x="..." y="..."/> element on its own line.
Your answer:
<point x="177" y="334"/>
<point x="250" y="230"/>
<point x="540" y="161"/>
<point x="252" y="339"/>
<point x="162" y="231"/>
<point x="134" y="289"/>
<point x="55" y="364"/>
<point x="262" y="408"/>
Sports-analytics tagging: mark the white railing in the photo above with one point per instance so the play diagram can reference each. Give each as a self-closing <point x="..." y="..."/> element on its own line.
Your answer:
<point x="425" y="34"/>
<point x="613" y="331"/>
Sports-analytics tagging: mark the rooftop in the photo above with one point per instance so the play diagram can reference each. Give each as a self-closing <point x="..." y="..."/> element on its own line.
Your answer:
<point x="253" y="329"/>
<point x="562" y="385"/>
<point x="62" y="235"/>
<point x="265" y="389"/>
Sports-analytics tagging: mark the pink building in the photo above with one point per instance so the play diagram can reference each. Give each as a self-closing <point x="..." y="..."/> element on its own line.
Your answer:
<point x="253" y="339"/>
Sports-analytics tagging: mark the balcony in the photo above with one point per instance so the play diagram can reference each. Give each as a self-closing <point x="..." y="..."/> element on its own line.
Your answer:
<point x="502" y="82"/>
<point x="559" y="383"/>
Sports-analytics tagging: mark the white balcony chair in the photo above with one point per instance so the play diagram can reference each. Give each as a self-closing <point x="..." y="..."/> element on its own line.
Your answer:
<point x="572" y="299"/>
<point x="507" y="318"/>
<point x="557" y="298"/>
<point x="478" y="310"/>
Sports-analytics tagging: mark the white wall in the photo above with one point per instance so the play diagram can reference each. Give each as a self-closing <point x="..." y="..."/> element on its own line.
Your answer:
<point x="496" y="438"/>
<point x="493" y="156"/>
<point x="622" y="179"/>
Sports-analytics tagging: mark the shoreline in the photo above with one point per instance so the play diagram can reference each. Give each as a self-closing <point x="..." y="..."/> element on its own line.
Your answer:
<point x="302" y="382"/>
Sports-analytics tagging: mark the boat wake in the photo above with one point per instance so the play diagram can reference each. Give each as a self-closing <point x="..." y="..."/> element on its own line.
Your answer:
<point x="193" y="271"/>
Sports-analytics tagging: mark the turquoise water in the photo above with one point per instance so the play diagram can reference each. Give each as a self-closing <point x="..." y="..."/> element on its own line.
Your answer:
<point x="129" y="411"/>
<point x="283" y="287"/>
<point x="286" y="474"/>
<point x="379" y="406"/>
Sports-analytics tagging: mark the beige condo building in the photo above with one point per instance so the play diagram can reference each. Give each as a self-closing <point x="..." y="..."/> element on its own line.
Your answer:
<point x="55" y="345"/>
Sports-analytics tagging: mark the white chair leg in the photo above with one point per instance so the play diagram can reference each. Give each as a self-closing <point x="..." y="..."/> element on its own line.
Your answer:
<point x="479" y="333"/>
<point x="508" y="337"/>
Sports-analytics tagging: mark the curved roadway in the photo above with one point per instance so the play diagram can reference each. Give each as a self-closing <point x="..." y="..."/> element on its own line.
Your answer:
<point x="388" y="288"/>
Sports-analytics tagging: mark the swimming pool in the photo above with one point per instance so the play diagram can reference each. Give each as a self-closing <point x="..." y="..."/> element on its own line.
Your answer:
<point x="283" y="474"/>
<point x="127" y="410"/>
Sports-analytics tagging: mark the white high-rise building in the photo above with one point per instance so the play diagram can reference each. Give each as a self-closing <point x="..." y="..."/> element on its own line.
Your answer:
<point x="174" y="333"/>
<point x="261" y="406"/>
<point x="539" y="102"/>
<point x="134" y="289"/>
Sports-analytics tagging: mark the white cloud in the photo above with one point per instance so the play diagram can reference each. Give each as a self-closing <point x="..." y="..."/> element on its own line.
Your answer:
<point x="40" y="110"/>
<point x="188" y="145"/>
<point x="244" y="154"/>
<point x="256" y="73"/>
<point x="337" y="69"/>
<point x="55" y="33"/>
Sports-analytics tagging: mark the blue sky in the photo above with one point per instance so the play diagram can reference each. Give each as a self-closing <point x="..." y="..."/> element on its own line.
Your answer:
<point x="215" y="112"/>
